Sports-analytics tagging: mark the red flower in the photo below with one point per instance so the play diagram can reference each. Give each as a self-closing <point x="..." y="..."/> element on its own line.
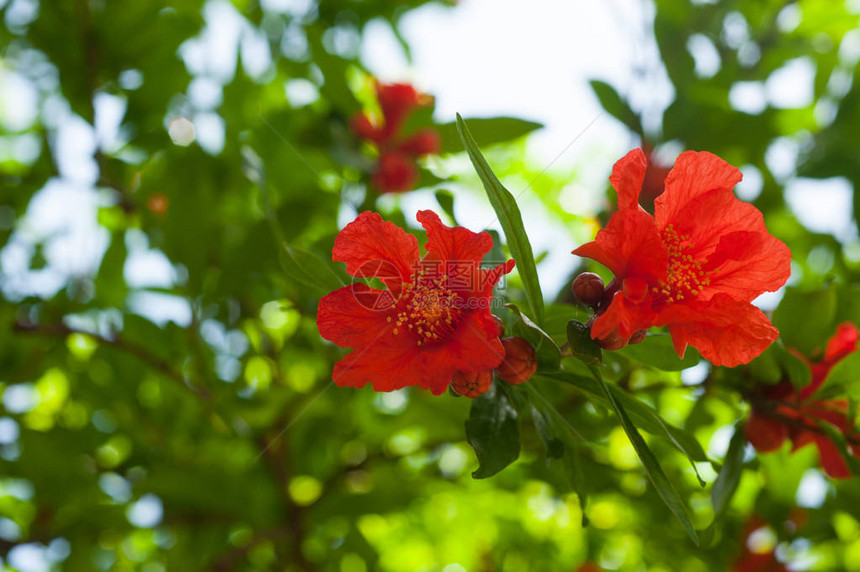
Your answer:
<point x="758" y="554"/>
<point x="431" y="321"/>
<point x="695" y="266"/>
<point x="396" y="170"/>
<point x="782" y="412"/>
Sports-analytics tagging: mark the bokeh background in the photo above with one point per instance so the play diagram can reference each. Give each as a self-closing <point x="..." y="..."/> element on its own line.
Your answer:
<point x="166" y="398"/>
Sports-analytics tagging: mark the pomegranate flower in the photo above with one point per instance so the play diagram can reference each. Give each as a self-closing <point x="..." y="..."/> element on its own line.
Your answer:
<point x="433" y="318"/>
<point x="695" y="266"/>
<point x="396" y="170"/>
<point x="782" y="412"/>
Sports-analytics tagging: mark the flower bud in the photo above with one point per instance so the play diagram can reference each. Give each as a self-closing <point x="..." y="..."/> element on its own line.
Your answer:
<point x="425" y="142"/>
<point x="612" y="342"/>
<point x="500" y="324"/>
<point x="638" y="337"/>
<point x="520" y="361"/>
<point x="588" y="288"/>
<point x="472" y="383"/>
<point x="395" y="173"/>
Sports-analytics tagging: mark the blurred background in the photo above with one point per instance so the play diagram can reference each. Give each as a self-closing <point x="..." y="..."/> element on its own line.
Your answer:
<point x="166" y="397"/>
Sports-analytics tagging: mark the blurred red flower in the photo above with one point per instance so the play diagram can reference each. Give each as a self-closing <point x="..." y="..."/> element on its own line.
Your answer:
<point x="757" y="556"/>
<point x="396" y="170"/>
<point x="433" y="318"/>
<point x="695" y="266"/>
<point x="782" y="412"/>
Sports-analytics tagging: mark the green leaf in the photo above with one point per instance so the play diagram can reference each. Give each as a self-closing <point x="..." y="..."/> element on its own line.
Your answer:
<point x="730" y="474"/>
<point x="796" y="369"/>
<point x="493" y="432"/>
<point x="548" y="353"/>
<point x="845" y="376"/>
<point x="445" y="199"/>
<point x="581" y="344"/>
<point x="652" y="467"/>
<point x="511" y="220"/>
<point x="487" y="131"/>
<point x="616" y="106"/>
<point x="806" y="320"/>
<point x="309" y="269"/>
<point x="657" y="351"/>
<point x="643" y="414"/>
<point x="554" y="446"/>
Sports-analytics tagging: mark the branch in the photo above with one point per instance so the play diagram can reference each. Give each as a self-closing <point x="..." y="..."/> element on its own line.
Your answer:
<point x="140" y="352"/>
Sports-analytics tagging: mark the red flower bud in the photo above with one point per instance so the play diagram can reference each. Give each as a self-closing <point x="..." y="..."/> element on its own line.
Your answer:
<point x="520" y="361"/>
<point x="425" y="142"/>
<point x="395" y="173"/>
<point x="612" y="342"/>
<point x="364" y="128"/>
<point x="472" y="383"/>
<point x="500" y="324"/>
<point x="588" y="288"/>
<point x="764" y="433"/>
<point x="638" y="337"/>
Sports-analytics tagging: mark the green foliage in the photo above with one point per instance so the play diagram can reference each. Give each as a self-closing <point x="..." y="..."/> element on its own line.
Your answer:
<point x="179" y="414"/>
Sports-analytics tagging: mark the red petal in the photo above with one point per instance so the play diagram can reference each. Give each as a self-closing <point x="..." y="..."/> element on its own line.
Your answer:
<point x="395" y="173"/>
<point x="372" y="247"/>
<point x="725" y="331"/>
<point x="629" y="246"/>
<point x="624" y="317"/>
<point x="628" y="173"/>
<point x="831" y="459"/>
<point x="386" y="366"/>
<point x="474" y="346"/>
<point x="764" y="433"/>
<point x="455" y="244"/>
<point x="745" y="259"/>
<point x="354" y="316"/>
<point x="425" y="142"/>
<point x="842" y="343"/>
<point x="694" y="174"/>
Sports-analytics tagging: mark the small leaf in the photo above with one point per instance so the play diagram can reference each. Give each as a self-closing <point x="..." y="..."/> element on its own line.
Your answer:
<point x="649" y="461"/>
<point x="844" y="377"/>
<point x="445" y="199"/>
<point x="581" y="344"/>
<point x="657" y="351"/>
<point x="506" y="208"/>
<point x="309" y="269"/>
<point x="554" y="446"/>
<point x="487" y="131"/>
<point x="493" y="432"/>
<point x="797" y="370"/>
<point x="730" y="475"/>
<point x="616" y="106"/>
<point x="548" y="353"/>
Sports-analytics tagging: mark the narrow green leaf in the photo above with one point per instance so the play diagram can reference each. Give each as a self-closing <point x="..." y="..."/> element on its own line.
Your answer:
<point x="657" y="351"/>
<point x="554" y="446"/>
<point x="309" y="269"/>
<point x="506" y="208"/>
<point x="487" y="131"/>
<point x="616" y="106"/>
<point x="548" y="353"/>
<point x="581" y="344"/>
<point x="643" y="414"/>
<point x="730" y="475"/>
<point x="493" y="432"/>
<point x="649" y="461"/>
<point x="445" y="199"/>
